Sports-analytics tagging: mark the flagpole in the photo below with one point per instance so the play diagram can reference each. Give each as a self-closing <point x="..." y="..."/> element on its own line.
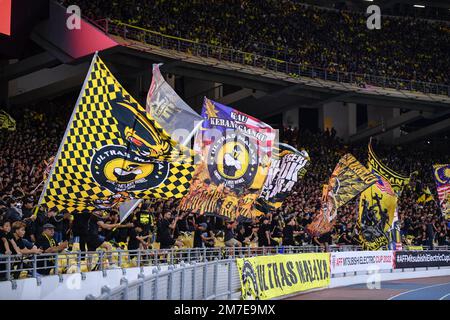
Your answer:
<point x="189" y="137"/>
<point x="94" y="59"/>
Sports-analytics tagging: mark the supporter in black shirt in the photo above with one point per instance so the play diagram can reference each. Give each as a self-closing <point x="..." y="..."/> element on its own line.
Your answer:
<point x="48" y="244"/>
<point x="230" y="239"/>
<point x="199" y="240"/>
<point x="94" y="240"/>
<point x="289" y="233"/>
<point x="80" y="229"/>
<point x="264" y="236"/>
<point x="5" y="236"/>
<point x="17" y="245"/>
<point x="137" y="237"/>
<point x="165" y="231"/>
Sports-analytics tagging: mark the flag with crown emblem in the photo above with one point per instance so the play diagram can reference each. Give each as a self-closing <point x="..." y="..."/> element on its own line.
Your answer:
<point x="236" y="150"/>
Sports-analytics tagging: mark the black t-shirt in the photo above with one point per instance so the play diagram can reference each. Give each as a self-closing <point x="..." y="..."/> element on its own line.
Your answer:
<point x="19" y="243"/>
<point x="229" y="234"/>
<point x="288" y="233"/>
<point x="241" y="237"/>
<point x="133" y="242"/>
<point x="80" y="224"/>
<point x="93" y="226"/>
<point x="262" y="238"/>
<point x="44" y="243"/>
<point x="7" y="236"/>
<point x="198" y="242"/>
<point x="165" y="238"/>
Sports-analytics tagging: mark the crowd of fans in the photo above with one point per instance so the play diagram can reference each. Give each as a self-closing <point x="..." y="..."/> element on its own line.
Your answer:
<point x="159" y="224"/>
<point x="337" y="40"/>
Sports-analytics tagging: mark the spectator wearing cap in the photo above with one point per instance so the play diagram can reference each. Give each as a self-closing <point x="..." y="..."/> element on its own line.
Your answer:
<point x="202" y="238"/>
<point x="48" y="244"/>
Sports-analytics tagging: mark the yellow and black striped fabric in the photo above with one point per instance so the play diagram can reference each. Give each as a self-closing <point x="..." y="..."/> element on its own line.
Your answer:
<point x="108" y="117"/>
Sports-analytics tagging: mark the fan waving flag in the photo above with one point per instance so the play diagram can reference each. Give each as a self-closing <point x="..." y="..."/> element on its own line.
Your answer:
<point x="348" y="179"/>
<point x="442" y="177"/>
<point x="169" y="110"/>
<point x="113" y="151"/>
<point x="287" y="167"/>
<point x="236" y="150"/>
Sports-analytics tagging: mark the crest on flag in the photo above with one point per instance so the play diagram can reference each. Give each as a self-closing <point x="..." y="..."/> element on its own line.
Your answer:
<point x="113" y="151"/>
<point x="236" y="150"/>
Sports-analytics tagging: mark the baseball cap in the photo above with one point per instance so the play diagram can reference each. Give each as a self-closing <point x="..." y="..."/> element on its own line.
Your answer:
<point x="48" y="226"/>
<point x="203" y="225"/>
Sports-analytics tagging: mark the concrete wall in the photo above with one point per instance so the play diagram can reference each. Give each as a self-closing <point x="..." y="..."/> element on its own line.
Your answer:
<point x="70" y="286"/>
<point x="377" y="115"/>
<point x="45" y="77"/>
<point x="340" y="116"/>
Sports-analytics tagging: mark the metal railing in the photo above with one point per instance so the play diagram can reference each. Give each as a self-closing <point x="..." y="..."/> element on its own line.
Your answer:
<point x="19" y="266"/>
<point x="216" y="279"/>
<point x="295" y="70"/>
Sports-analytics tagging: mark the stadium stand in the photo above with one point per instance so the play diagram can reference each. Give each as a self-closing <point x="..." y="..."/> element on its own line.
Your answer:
<point x="338" y="41"/>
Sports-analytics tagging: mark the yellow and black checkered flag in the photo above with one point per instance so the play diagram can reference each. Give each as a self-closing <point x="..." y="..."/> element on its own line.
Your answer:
<point x="113" y="151"/>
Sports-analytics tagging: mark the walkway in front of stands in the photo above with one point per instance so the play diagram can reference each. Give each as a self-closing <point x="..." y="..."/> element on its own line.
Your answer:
<point x="434" y="288"/>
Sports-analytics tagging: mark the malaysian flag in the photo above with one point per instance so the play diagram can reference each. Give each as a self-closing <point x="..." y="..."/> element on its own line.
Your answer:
<point x="384" y="185"/>
<point x="442" y="177"/>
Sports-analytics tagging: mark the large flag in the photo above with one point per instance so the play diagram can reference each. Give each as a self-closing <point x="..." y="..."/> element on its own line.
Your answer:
<point x="287" y="167"/>
<point x="170" y="111"/>
<point x="6" y="121"/>
<point x="113" y="151"/>
<point x="442" y="177"/>
<point x="377" y="214"/>
<point x="348" y="179"/>
<point x="236" y="150"/>
<point x="396" y="180"/>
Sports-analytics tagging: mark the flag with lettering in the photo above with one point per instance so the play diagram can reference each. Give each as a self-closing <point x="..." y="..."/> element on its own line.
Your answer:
<point x="288" y="166"/>
<point x="113" y="151"/>
<point x="174" y="115"/>
<point x="348" y="179"/>
<point x="236" y="150"/>
<point x="395" y="179"/>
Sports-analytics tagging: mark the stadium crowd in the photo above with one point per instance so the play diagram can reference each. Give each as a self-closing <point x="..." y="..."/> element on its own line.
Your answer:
<point x="158" y="223"/>
<point x="405" y="48"/>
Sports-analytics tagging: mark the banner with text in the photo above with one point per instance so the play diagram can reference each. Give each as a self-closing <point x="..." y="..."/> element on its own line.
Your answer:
<point x="396" y="180"/>
<point x="348" y="179"/>
<point x="354" y="261"/>
<point x="287" y="167"/>
<point x="236" y="151"/>
<point x="267" y="277"/>
<point x="421" y="259"/>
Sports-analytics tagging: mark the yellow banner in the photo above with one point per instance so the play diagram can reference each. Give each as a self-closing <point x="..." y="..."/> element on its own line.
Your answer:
<point x="377" y="206"/>
<point x="267" y="277"/>
<point x="396" y="180"/>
